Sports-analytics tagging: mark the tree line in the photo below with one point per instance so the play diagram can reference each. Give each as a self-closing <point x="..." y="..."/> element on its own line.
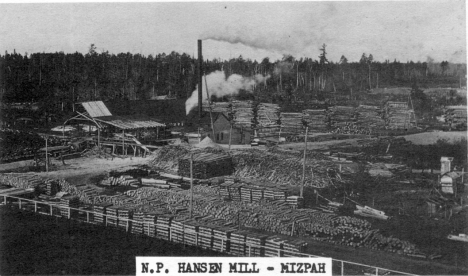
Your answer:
<point x="54" y="78"/>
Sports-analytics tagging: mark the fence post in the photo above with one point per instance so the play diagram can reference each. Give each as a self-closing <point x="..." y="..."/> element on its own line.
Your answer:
<point x="377" y="271"/>
<point x="249" y="250"/>
<point x="19" y="201"/>
<point x="5" y="200"/>
<point x="69" y="213"/>
<point x="279" y="252"/>
<point x="126" y="228"/>
<point x="50" y="210"/>
<point x="342" y="268"/>
<point x="87" y="216"/>
<point x="222" y="245"/>
<point x="35" y="206"/>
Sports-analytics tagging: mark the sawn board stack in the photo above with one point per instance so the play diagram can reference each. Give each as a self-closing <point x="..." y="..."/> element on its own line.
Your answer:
<point x="255" y="244"/>
<point x="149" y="224"/>
<point x="100" y="212"/>
<point x="69" y="201"/>
<point x="238" y="239"/>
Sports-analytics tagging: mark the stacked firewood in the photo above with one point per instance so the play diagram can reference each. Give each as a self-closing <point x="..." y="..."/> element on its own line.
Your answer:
<point x="317" y="120"/>
<point x="206" y="165"/>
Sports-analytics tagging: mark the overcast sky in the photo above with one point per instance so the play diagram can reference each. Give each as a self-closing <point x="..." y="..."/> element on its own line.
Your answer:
<point x="387" y="30"/>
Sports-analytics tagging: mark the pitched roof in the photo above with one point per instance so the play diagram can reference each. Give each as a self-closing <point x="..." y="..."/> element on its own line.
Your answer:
<point x="96" y="109"/>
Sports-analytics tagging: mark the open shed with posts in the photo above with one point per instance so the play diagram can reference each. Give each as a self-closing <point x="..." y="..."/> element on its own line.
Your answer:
<point x="121" y="134"/>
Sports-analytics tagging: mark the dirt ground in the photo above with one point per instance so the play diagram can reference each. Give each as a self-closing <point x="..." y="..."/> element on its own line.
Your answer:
<point x="427" y="138"/>
<point x="87" y="167"/>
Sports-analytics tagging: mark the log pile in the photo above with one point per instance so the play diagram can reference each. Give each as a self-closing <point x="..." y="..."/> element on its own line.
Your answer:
<point x="156" y="210"/>
<point x="291" y="122"/>
<point x="206" y="165"/>
<point x="370" y="117"/>
<point x="456" y="117"/>
<point x="167" y="158"/>
<point x="123" y="180"/>
<point x="398" y="115"/>
<point x="21" y="181"/>
<point x="316" y="119"/>
<point x="243" y="113"/>
<point x="278" y="168"/>
<point x="267" y="115"/>
<point x="342" y="118"/>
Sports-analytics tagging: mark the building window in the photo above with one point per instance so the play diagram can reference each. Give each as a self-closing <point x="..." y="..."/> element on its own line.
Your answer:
<point x="217" y="136"/>
<point x="222" y="136"/>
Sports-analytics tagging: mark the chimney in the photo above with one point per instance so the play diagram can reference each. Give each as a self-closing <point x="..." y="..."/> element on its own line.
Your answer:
<point x="200" y="78"/>
<point x="445" y="163"/>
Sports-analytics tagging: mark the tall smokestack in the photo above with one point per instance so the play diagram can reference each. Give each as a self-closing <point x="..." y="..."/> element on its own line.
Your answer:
<point x="200" y="78"/>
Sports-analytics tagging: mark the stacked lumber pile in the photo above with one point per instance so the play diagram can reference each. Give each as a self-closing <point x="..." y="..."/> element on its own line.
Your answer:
<point x="267" y="115"/>
<point x="191" y="232"/>
<point x="243" y="113"/>
<point x="205" y="239"/>
<point x="256" y="244"/>
<point x="162" y="226"/>
<point x="177" y="229"/>
<point x="238" y="239"/>
<point x="222" y="238"/>
<point x="23" y="181"/>
<point x="224" y="107"/>
<point x="125" y="214"/>
<point x="66" y="202"/>
<point x="295" y="202"/>
<point x="206" y="165"/>
<point x="456" y="117"/>
<point x="370" y="117"/>
<point x="123" y="180"/>
<point x="294" y="248"/>
<point x="100" y="212"/>
<point x="316" y="119"/>
<point x="398" y="115"/>
<point x="52" y="187"/>
<point x="273" y="246"/>
<point x="342" y="118"/>
<point x="149" y="224"/>
<point x="291" y="122"/>
<point x="112" y="214"/>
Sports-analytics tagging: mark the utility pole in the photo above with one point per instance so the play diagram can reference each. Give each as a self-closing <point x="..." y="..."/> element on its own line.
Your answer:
<point x="304" y="165"/>
<point x="191" y="185"/>
<point x="211" y="109"/>
<point x="46" y="156"/>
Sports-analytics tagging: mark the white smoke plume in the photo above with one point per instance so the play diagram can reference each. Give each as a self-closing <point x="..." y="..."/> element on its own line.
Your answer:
<point x="220" y="86"/>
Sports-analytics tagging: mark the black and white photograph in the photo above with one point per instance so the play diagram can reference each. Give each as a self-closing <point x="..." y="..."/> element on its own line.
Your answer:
<point x="227" y="137"/>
